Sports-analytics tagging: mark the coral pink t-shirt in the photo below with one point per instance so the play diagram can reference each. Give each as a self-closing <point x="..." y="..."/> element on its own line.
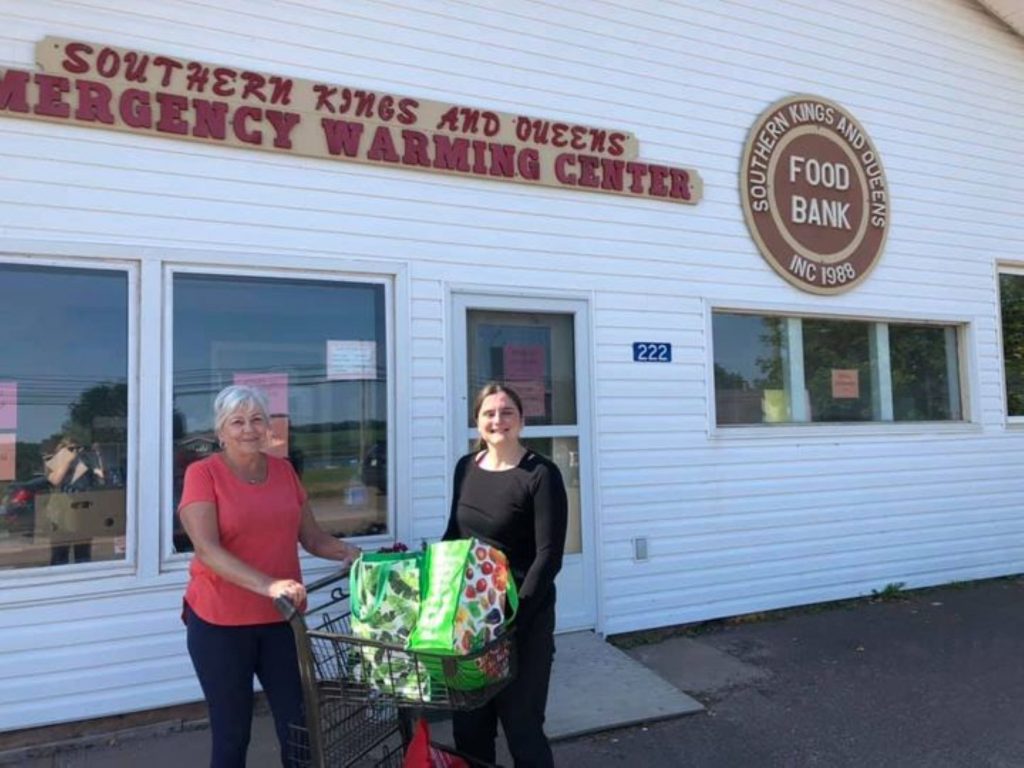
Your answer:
<point x="259" y="524"/>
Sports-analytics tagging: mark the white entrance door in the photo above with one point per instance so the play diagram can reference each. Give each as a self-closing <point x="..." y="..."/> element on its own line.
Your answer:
<point x="539" y="347"/>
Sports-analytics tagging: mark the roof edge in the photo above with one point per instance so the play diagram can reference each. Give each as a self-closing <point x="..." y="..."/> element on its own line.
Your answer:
<point x="1011" y="12"/>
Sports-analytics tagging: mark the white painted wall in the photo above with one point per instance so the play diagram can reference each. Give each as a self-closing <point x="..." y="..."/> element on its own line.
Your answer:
<point x="737" y="520"/>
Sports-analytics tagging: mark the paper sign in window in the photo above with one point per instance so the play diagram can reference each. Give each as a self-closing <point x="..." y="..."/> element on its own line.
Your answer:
<point x="274" y="386"/>
<point x="523" y="362"/>
<point x="845" y="383"/>
<point x="775" y="406"/>
<point x="8" y="405"/>
<point x="350" y="360"/>
<point x="7" y="446"/>
<point x="524" y="371"/>
<point x="532" y="394"/>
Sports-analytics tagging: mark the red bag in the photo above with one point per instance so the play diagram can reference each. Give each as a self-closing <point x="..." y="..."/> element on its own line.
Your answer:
<point x="421" y="754"/>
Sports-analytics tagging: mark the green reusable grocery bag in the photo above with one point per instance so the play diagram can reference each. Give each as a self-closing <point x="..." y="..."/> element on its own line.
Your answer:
<point x="468" y="600"/>
<point x="385" y="601"/>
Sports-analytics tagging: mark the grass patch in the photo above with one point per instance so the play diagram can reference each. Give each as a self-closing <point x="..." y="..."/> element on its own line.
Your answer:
<point x="891" y="592"/>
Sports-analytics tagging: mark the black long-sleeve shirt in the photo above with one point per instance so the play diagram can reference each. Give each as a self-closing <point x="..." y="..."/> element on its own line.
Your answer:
<point x="522" y="511"/>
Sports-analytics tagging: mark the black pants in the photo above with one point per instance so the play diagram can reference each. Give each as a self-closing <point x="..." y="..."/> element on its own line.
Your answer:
<point x="60" y="554"/>
<point x="520" y="706"/>
<point x="225" y="659"/>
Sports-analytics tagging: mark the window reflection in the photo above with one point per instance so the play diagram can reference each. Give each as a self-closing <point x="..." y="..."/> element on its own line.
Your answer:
<point x="750" y="364"/>
<point x="531" y="352"/>
<point x="534" y="354"/>
<point x="924" y="373"/>
<point x="837" y="370"/>
<point x="318" y="350"/>
<point x="63" y="415"/>
<point x="1011" y="299"/>
<point x="852" y="370"/>
<point x="565" y="452"/>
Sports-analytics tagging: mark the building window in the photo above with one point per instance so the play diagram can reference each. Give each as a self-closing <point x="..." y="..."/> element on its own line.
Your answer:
<point x="63" y="415"/>
<point x="925" y="373"/>
<point x="845" y="370"/>
<point x="751" y="369"/>
<point x="1011" y="297"/>
<point x="318" y="349"/>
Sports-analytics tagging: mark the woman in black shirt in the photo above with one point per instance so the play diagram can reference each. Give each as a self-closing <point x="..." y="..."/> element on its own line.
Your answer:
<point x="513" y="499"/>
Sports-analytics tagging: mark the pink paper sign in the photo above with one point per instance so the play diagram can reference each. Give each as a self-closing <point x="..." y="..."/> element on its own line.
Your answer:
<point x="532" y="395"/>
<point x="845" y="384"/>
<point x="523" y="362"/>
<point x="8" y="405"/>
<point x="274" y="385"/>
<point x="7" y="447"/>
<point x="524" y="372"/>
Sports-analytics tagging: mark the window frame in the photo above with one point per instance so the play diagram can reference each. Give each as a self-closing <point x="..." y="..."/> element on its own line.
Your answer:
<point x="966" y="366"/>
<point x="46" y="575"/>
<point x="1016" y="269"/>
<point x="171" y="561"/>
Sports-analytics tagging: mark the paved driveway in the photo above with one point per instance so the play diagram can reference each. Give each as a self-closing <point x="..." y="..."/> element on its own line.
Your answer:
<point x="932" y="681"/>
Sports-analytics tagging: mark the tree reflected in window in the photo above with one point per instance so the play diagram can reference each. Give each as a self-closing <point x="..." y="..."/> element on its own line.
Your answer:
<point x="63" y="416"/>
<point x="317" y="348"/>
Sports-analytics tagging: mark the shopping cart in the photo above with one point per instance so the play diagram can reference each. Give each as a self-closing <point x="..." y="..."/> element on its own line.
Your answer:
<point x="363" y="697"/>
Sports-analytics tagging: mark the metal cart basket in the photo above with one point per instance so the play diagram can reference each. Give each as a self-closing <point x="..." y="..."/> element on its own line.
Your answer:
<point x="361" y="697"/>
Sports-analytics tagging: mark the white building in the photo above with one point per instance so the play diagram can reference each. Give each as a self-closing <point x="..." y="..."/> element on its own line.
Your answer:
<point x="144" y="264"/>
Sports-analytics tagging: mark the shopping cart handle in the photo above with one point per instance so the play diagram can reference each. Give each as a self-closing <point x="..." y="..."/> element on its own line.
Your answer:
<point x="330" y="578"/>
<point x="285" y="606"/>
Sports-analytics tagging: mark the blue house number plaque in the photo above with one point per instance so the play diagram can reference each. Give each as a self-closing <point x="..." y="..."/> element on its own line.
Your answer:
<point x="652" y="352"/>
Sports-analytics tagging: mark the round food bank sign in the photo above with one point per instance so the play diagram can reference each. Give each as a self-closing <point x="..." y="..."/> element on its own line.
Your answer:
<point x="814" y="194"/>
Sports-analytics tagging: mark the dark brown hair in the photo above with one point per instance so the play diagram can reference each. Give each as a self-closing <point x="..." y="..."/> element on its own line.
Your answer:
<point x="494" y="388"/>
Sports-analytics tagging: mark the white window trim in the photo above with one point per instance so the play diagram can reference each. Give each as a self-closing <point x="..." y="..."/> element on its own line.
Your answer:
<point x="395" y="300"/>
<point x="881" y="370"/>
<point x="1017" y="269"/>
<point x="794" y="370"/>
<point x="968" y="424"/>
<point x="88" y="573"/>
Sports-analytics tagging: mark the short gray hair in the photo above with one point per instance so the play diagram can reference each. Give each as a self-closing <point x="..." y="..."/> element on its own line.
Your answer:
<point x="230" y="399"/>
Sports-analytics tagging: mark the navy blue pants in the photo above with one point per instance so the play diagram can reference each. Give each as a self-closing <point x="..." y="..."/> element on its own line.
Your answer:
<point x="225" y="659"/>
<point x="520" y="705"/>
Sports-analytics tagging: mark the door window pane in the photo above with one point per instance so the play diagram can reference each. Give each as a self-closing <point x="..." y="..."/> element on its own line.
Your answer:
<point x="1011" y="297"/>
<point x="318" y="349"/>
<point x="533" y="353"/>
<point x="750" y="369"/>
<point x="925" y="373"/>
<point x="63" y="415"/>
<point x="564" y="451"/>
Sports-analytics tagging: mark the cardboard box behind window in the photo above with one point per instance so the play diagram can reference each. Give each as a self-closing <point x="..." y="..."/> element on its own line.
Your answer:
<point x="67" y="518"/>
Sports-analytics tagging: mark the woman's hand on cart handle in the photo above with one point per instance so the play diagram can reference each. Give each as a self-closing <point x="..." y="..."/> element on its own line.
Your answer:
<point x="287" y="588"/>
<point x="285" y="608"/>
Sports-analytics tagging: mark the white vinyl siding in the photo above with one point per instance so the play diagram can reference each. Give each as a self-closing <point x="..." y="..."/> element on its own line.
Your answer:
<point x="734" y="523"/>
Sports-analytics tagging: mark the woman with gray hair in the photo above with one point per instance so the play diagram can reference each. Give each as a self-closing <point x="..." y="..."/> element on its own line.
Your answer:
<point x="245" y="512"/>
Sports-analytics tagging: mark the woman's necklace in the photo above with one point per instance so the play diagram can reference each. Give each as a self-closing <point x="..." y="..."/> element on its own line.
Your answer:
<point x="246" y="477"/>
